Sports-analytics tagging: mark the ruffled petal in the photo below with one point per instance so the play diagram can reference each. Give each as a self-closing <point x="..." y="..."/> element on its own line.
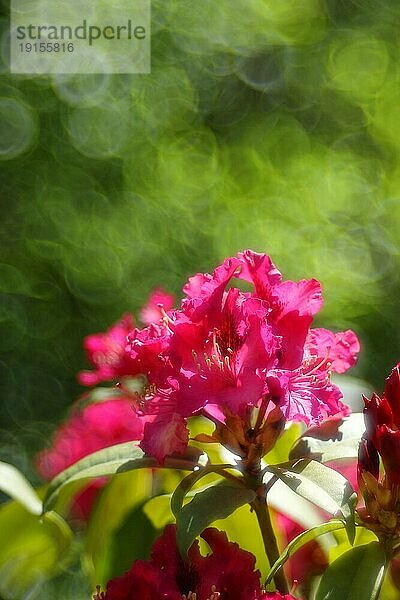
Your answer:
<point x="158" y="301"/>
<point x="341" y="349"/>
<point x="166" y="435"/>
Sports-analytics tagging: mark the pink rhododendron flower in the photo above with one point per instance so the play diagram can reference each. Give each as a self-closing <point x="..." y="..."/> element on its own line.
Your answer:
<point x="227" y="573"/>
<point x="305" y="394"/>
<point x="276" y="596"/>
<point x="106" y="352"/>
<point x="158" y="303"/>
<point x="230" y="351"/>
<point x="340" y="348"/>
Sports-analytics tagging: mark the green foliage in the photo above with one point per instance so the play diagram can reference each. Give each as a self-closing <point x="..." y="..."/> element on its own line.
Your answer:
<point x="356" y="574"/>
<point x="32" y="549"/>
<point x="302" y="539"/>
<point x="119" y="458"/>
<point x="14" y="484"/>
<point x="344" y="447"/>
<point x="322" y="486"/>
<point x="215" y="502"/>
<point x="118" y="531"/>
<point x="191" y="480"/>
<point x="105" y="462"/>
<point x="268" y="125"/>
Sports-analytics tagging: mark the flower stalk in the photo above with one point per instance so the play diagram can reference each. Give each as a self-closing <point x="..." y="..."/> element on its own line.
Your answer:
<point x="260" y="507"/>
<point x="253" y="477"/>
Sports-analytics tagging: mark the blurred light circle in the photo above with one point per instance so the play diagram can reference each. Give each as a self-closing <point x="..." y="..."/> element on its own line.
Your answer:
<point x="81" y="90"/>
<point x="99" y="132"/>
<point x="262" y="73"/>
<point x="358" y="65"/>
<point x="17" y="128"/>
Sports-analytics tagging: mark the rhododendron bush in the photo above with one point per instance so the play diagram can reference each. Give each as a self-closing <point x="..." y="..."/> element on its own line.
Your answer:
<point x="213" y="454"/>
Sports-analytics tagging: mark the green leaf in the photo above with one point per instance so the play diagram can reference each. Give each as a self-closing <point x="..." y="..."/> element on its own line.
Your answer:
<point x="241" y="526"/>
<point x="14" y="484"/>
<point x="349" y="432"/>
<point x="121" y="497"/>
<point x="281" y="450"/>
<point x="32" y="549"/>
<point x="189" y="481"/>
<point x="300" y="541"/>
<point x="215" y="502"/>
<point x="158" y="510"/>
<point x="324" y="487"/>
<point x="357" y="574"/>
<point x="119" y="458"/>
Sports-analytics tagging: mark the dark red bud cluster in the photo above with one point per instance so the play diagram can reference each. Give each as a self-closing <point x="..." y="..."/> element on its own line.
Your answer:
<point x="380" y="445"/>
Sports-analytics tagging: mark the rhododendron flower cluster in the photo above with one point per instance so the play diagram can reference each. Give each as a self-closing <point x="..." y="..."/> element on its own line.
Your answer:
<point x="381" y="444"/>
<point x="241" y="351"/>
<point x="228" y="354"/>
<point x="227" y="573"/>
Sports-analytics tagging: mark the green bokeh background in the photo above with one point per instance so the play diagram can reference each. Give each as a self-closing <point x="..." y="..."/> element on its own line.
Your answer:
<point x="263" y="124"/>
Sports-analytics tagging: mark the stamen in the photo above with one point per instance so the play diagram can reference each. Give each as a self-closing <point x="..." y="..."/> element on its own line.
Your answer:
<point x="99" y="595"/>
<point x="215" y="343"/>
<point x="167" y="319"/>
<point x="319" y="365"/>
<point x="214" y="594"/>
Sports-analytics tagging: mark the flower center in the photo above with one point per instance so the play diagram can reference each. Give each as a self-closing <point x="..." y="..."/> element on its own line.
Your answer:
<point x="214" y="595"/>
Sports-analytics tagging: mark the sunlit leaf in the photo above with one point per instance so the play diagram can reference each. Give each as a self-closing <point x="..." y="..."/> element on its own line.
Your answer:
<point x="14" y="484"/>
<point x="115" y="503"/>
<point x="190" y="480"/>
<point x="241" y="526"/>
<point x="355" y="575"/>
<point x="216" y="502"/>
<point x="300" y="541"/>
<point x="346" y="446"/>
<point x="321" y="485"/>
<point x="119" y="458"/>
<point x="281" y="450"/>
<point x="32" y="549"/>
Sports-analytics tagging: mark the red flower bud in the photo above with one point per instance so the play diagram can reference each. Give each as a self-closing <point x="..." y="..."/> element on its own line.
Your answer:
<point x="377" y="412"/>
<point x="392" y="393"/>
<point x="389" y="449"/>
<point x="368" y="459"/>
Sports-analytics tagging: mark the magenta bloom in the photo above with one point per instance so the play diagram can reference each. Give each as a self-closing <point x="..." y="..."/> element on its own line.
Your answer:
<point x="277" y="596"/>
<point x="340" y="348"/>
<point x="160" y="302"/>
<point x="227" y="573"/>
<point x="106" y="352"/>
<point x="227" y="351"/>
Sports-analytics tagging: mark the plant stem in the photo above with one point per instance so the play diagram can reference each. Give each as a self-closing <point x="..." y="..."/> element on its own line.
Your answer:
<point x="271" y="547"/>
